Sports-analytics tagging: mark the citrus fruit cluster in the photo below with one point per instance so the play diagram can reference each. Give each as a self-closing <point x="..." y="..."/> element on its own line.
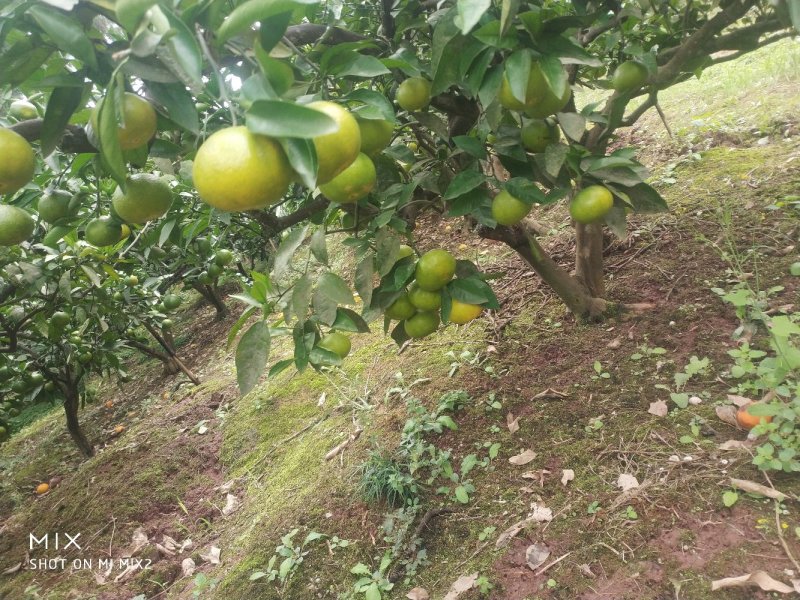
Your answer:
<point x="238" y="170"/>
<point x="418" y="307"/>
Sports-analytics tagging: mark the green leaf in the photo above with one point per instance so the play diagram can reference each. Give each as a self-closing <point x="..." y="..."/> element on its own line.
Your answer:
<point x="471" y="145"/>
<point x="472" y="290"/>
<point x="130" y="12"/>
<point x="361" y="569"/>
<point x="237" y="327"/>
<point x="616" y="221"/>
<point x="302" y="156"/>
<point x="363" y="279"/>
<point x="525" y="190"/>
<point x="349" y="320"/>
<point x="251" y="356"/>
<point x="645" y="199"/>
<point x="554" y="157"/>
<point x="554" y="74"/>
<point x="301" y="297"/>
<point x="464" y="182"/>
<point x="382" y="107"/>
<point x="468" y="463"/>
<point x="507" y="13"/>
<point x="324" y="358"/>
<point x="469" y="13"/>
<point x="794" y="12"/>
<point x="244" y="15"/>
<point x="272" y="31"/>
<point x="288" y="247"/>
<point x="178" y="103"/>
<point x="518" y="70"/>
<point x="66" y="32"/>
<point x="60" y="106"/>
<point x="280" y="366"/>
<point x="183" y="48"/>
<point x="567" y="50"/>
<point x="387" y="247"/>
<point x="730" y="498"/>
<point x="447" y="421"/>
<point x="110" y="151"/>
<point x="373" y="592"/>
<point x="494" y="450"/>
<point x="319" y="247"/>
<point x="573" y="125"/>
<point x="335" y="288"/>
<point x="462" y="495"/>
<point x="277" y="118"/>
<point x="353" y="64"/>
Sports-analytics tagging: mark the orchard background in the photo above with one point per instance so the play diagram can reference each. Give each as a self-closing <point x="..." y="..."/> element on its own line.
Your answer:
<point x="413" y="299"/>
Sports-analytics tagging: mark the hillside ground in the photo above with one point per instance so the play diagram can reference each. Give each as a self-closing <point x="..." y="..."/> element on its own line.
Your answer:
<point x="235" y="475"/>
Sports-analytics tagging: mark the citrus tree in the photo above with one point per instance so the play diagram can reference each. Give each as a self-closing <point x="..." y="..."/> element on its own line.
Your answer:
<point x="281" y="121"/>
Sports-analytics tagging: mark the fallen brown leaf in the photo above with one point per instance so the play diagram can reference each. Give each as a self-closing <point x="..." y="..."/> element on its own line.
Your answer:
<point x="727" y="413"/>
<point x="567" y="475"/>
<point x="756" y="488"/>
<point x="535" y="555"/>
<point x="418" y="593"/>
<point x="658" y="408"/>
<point x="739" y="400"/>
<point x="513" y="423"/>
<point x="627" y="482"/>
<point x="522" y="459"/>
<point x="756" y="579"/>
<point x="461" y="585"/>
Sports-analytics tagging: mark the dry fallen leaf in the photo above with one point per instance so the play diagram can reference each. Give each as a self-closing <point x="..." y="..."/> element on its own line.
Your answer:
<point x="727" y="413"/>
<point x="509" y="533"/>
<point x="164" y="550"/>
<point x="461" y="585"/>
<point x="523" y="458"/>
<point x="540" y="513"/>
<point x="212" y="556"/>
<point x="535" y="555"/>
<point x="757" y="578"/>
<point x="418" y="593"/>
<point x="513" y="423"/>
<point x="231" y="504"/>
<point x="586" y="570"/>
<point x="627" y="482"/>
<point x="170" y="543"/>
<point x="567" y="475"/>
<point x="187" y="567"/>
<point x="736" y="445"/>
<point x="138" y="541"/>
<point x="756" y="488"/>
<point x="739" y="400"/>
<point x="658" y="408"/>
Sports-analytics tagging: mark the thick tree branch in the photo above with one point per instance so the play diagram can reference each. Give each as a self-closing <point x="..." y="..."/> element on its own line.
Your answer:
<point x="309" y="33"/>
<point x="74" y="140"/>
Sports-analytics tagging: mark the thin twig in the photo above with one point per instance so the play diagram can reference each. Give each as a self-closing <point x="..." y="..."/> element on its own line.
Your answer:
<point x="136" y="239"/>
<point x="223" y="92"/>
<point x="552" y="564"/>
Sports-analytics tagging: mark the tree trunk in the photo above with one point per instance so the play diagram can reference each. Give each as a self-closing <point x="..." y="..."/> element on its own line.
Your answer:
<point x="577" y="296"/>
<point x="71" y="409"/>
<point x="212" y="297"/>
<point x="589" y="258"/>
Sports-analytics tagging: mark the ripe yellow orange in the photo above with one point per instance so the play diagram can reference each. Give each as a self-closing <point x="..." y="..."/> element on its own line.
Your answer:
<point x="109" y="404"/>
<point x="352" y="184"/>
<point x="537" y="134"/>
<point x="591" y="204"/>
<point x="461" y="312"/>
<point x="22" y="110"/>
<point x="422" y="324"/>
<point x="17" y="163"/>
<point x="414" y="93"/>
<point x="508" y="210"/>
<point x="147" y="198"/>
<point x="236" y="170"/>
<point x="16" y="225"/>
<point x="42" y="488"/>
<point x="375" y="135"/>
<point x="336" y="151"/>
<point x="119" y="428"/>
<point x="137" y="122"/>
<point x="747" y="420"/>
<point x="435" y="269"/>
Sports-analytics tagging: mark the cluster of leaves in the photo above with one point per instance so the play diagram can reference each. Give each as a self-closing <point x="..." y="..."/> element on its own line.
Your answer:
<point x="773" y="372"/>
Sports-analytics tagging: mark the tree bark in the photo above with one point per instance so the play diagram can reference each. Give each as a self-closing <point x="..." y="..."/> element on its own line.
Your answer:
<point x="577" y="296"/>
<point x="212" y="298"/>
<point x="163" y="343"/>
<point x="589" y="258"/>
<point x="73" y="426"/>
